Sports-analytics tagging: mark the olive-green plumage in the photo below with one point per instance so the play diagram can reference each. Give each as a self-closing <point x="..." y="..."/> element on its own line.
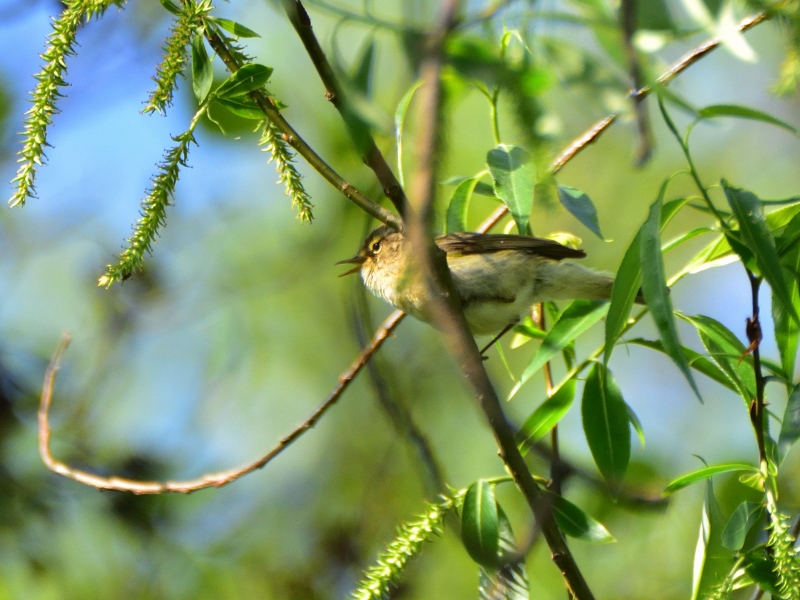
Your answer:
<point x="498" y="277"/>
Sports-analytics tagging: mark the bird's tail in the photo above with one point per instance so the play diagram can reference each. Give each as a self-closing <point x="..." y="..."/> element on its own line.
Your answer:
<point x="570" y="281"/>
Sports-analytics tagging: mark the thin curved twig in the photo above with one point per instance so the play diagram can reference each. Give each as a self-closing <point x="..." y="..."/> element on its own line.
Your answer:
<point x="208" y="480"/>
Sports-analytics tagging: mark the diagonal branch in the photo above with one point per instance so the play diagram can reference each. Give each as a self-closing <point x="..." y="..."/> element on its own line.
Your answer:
<point x="270" y="110"/>
<point x="358" y="131"/>
<point x="448" y="314"/>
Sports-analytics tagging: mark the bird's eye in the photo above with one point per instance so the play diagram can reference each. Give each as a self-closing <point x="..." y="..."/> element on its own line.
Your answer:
<point x="376" y="247"/>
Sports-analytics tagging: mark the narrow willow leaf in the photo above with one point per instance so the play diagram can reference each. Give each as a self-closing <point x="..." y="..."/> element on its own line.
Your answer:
<point x="728" y="352"/>
<point x="364" y="68"/>
<point x="636" y="424"/>
<point x="575" y="523"/>
<point x="514" y="181"/>
<point x="760" y="568"/>
<point x="656" y="292"/>
<point x="577" y="318"/>
<point x="606" y="424"/>
<point x="247" y="79"/>
<point x="242" y="106"/>
<point x="743" y="112"/>
<point x="170" y="6"/>
<point x="479" y="524"/>
<point x="787" y="331"/>
<point x="202" y="71"/>
<point x="712" y="560"/>
<point x="696" y="360"/>
<point x="750" y="215"/>
<point x="742" y="519"/>
<point x="628" y="281"/>
<point x="581" y="207"/>
<point x="459" y="205"/>
<point x="790" y="427"/>
<point x="481" y="188"/>
<point x="509" y="581"/>
<point x="705" y="473"/>
<point x="235" y="28"/>
<point x="399" y="121"/>
<point x="547" y="415"/>
<point x="524" y="332"/>
<point x="626" y="287"/>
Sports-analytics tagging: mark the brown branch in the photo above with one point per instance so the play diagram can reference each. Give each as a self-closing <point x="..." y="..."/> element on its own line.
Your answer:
<point x="628" y="26"/>
<point x="449" y="316"/>
<point x="757" y="407"/>
<point x="691" y="57"/>
<point x="209" y="480"/>
<point x="270" y="110"/>
<point x="358" y="131"/>
<point x="598" y="128"/>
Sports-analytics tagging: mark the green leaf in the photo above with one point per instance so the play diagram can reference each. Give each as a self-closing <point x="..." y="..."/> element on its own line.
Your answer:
<point x="761" y="569"/>
<point x="577" y="318"/>
<point x="479" y="524"/>
<point x="171" y="6"/>
<point x="790" y="426"/>
<point x="636" y="424"/>
<point x="656" y="292"/>
<point x="547" y="415"/>
<point x="514" y="181"/>
<point x="712" y="560"/>
<point x="756" y="235"/>
<point x="481" y="188"/>
<point x="509" y="580"/>
<point x="399" y="121"/>
<point x="742" y="519"/>
<point x="705" y="473"/>
<point x="575" y="523"/>
<point x="459" y="205"/>
<point x="581" y="207"/>
<point x="235" y="28"/>
<point x="202" y="71"/>
<point x="247" y="79"/>
<point x="743" y="112"/>
<point x="606" y="424"/>
<point x="728" y="352"/>
<point x="364" y="68"/>
<point x="696" y="360"/>
<point x="626" y="287"/>
<point x="787" y="331"/>
<point x="243" y="106"/>
<point x="628" y="281"/>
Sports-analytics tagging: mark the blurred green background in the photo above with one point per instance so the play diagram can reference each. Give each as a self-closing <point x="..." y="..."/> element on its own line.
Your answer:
<point x="239" y="327"/>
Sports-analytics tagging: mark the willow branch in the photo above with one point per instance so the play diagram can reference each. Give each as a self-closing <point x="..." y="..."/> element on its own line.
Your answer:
<point x="449" y="316"/>
<point x="210" y="480"/>
<point x="270" y="110"/>
<point x="358" y="131"/>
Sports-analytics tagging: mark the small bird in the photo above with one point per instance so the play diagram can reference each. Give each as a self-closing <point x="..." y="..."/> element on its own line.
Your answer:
<point x="498" y="277"/>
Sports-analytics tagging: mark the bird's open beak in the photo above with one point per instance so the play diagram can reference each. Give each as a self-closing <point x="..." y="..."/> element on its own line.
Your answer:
<point x="356" y="260"/>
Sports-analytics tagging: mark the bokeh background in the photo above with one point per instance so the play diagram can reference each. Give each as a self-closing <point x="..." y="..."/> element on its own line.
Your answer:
<point x="239" y="327"/>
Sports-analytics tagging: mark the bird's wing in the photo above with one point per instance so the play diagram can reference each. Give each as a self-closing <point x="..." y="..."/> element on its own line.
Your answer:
<point x="478" y="243"/>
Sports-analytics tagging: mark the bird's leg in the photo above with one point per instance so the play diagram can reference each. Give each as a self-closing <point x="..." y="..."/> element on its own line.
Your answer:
<point x="495" y="339"/>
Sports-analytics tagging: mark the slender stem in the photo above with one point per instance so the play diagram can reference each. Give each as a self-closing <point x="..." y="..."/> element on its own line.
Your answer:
<point x="291" y="137"/>
<point x="556" y="470"/>
<point x="449" y="316"/>
<point x="628" y="26"/>
<point x="359" y="132"/>
<point x="757" y="409"/>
